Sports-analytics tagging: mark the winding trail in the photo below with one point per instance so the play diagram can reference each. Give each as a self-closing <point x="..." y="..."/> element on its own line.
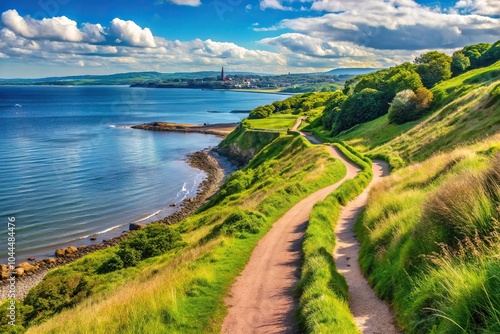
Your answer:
<point x="261" y="299"/>
<point x="372" y="315"/>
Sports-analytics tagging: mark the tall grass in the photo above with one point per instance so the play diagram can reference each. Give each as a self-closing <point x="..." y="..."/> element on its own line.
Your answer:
<point x="430" y="243"/>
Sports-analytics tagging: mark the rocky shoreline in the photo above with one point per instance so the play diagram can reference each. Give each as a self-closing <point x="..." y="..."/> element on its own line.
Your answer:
<point x="32" y="273"/>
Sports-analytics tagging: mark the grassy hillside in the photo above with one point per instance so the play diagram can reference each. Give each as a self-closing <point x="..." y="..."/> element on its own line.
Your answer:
<point x="182" y="290"/>
<point x="430" y="241"/>
<point x="465" y="109"/>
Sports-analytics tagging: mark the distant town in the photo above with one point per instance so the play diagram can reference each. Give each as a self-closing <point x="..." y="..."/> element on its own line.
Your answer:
<point x="288" y="83"/>
<point x="248" y="81"/>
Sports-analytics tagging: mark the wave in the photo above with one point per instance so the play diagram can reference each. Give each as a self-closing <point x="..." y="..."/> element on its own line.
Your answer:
<point x="101" y="232"/>
<point x="146" y="218"/>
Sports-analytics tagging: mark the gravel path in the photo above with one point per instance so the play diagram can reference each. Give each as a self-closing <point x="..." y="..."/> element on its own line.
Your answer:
<point x="372" y="315"/>
<point x="261" y="299"/>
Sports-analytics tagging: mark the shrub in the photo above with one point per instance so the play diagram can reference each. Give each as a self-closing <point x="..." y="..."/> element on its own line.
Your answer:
<point x="433" y="67"/>
<point x="112" y="264"/>
<point x="130" y="257"/>
<point x="238" y="224"/>
<point x="153" y="240"/>
<point x="402" y="107"/>
<point x="408" y="105"/>
<point x="56" y="293"/>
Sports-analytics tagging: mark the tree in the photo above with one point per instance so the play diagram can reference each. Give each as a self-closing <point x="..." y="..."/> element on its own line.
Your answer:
<point x="402" y="106"/>
<point x="460" y="63"/>
<point x="474" y="53"/>
<point x="332" y="109"/>
<point x="423" y="99"/>
<point x="433" y="67"/>
<point x="408" y="105"/>
<point x="492" y="55"/>
<point x="360" y="108"/>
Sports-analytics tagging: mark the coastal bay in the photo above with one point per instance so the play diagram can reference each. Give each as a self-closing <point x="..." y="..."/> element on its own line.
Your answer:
<point x="74" y="169"/>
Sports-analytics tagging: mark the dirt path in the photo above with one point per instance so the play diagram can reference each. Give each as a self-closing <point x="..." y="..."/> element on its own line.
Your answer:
<point x="372" y="315"/>
<point x="261" y="299"/>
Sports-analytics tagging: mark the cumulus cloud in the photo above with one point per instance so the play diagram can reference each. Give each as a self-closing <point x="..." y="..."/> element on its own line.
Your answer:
<point x="273" y="4"/>
<point x="56" y="28"/>
<point x="315" y="47"/>
<point x="130" y="33"/>
<point x="393" y="24"/>
<point x="122" y="44"/>
<point x="483" y="7"/>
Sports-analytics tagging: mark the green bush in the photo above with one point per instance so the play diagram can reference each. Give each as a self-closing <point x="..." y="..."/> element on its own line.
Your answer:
<point x="20" y="311"/>
<point x="238" y="224"/>
<point x="130" y="256"/>
<point x="56" y="293"/>
<point x="408" y="106"/>
<point x="112" y="264"/>
<point x="153" y="240"/>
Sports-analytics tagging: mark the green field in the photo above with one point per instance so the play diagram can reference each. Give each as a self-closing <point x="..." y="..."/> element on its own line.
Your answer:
<point x="275" y="122"/>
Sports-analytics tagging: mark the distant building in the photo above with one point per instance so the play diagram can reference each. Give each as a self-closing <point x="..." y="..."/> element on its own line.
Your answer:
<point x="222" y="75"/>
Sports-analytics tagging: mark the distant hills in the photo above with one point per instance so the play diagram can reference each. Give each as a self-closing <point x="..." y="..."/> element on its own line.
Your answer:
<point x="132" y="78"/>
<point x="116" y="79"/>
<point x="351" y="71"/>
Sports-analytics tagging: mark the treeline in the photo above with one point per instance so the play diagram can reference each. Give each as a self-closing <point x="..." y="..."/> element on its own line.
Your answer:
<point x="297" y="104"/>
<point x="402" y="91"/>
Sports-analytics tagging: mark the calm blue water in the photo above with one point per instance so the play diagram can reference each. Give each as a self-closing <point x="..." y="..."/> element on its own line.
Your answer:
<point x="71" y="169"/>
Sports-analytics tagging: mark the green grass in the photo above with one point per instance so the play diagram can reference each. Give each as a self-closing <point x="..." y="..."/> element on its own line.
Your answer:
<point x="430" y="242"/>
<point x="274" y="122"/>
<point x="183" y="291"/>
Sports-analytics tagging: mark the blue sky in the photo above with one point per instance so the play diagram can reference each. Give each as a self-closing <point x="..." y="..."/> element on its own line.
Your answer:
<point x="68" y="37"/>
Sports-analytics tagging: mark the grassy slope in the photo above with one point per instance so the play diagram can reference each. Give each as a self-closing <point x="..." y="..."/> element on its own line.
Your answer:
<point x="430" y="242"/>
<point x="464" y="111"/>
<point x="183" y="292"/>
<point x="433" y="289"/>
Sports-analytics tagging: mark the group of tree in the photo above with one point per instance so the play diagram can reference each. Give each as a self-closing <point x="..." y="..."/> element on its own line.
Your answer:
<point x="475" y="56"/>
<point x="402" y="91"/>
<point x="296" y="104"/>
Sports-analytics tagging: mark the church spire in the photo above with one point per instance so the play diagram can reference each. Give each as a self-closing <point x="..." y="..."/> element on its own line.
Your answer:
<point x="222" y="75"/>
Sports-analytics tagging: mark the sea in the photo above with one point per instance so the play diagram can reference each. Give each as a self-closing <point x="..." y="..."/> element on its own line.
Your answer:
<point x="72" y="168"/>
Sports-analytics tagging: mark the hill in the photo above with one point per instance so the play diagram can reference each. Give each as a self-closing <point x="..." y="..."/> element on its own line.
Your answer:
<point x="351" y="71"/>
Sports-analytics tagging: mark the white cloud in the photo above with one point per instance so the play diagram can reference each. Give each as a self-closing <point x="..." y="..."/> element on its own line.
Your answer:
<point x="131" y="33"/>
<point x="482" y="7"/>
<point x="315" y="47"/>
<point x="393" y="24"/>
<point x="273" y="4"/>
<point x="138" y="48"/>
<point x="56" y="28"/>
<point x="192" y="3"/>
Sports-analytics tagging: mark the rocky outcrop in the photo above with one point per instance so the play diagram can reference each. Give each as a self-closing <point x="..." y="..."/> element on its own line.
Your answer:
<point x="243" y="144"/>
<point x="63" y="252"/>
<point x="135" y="226"/>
